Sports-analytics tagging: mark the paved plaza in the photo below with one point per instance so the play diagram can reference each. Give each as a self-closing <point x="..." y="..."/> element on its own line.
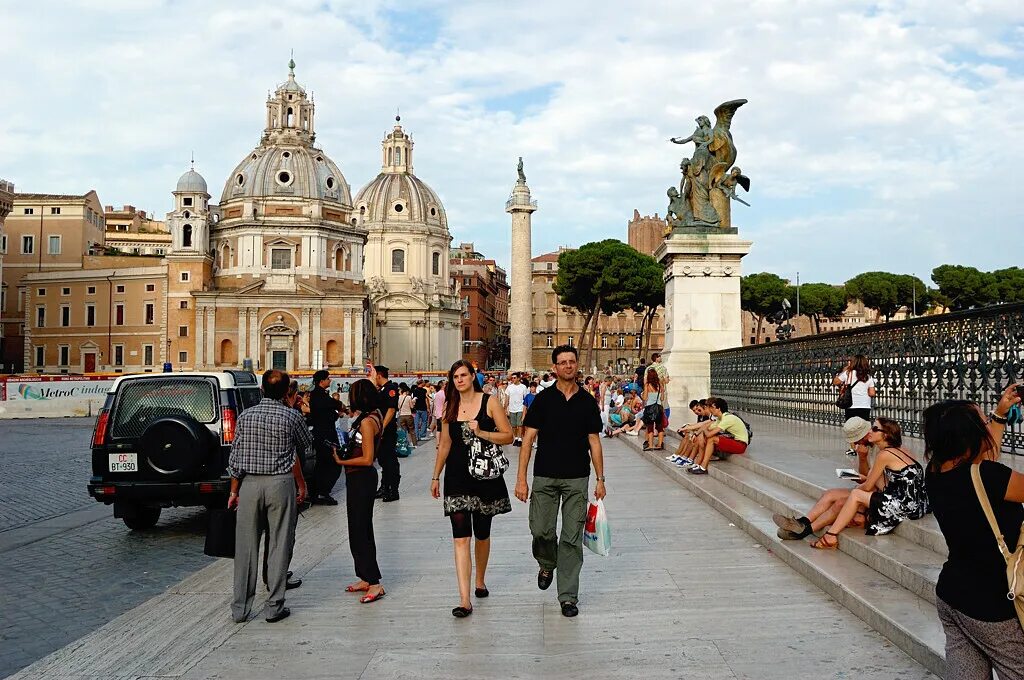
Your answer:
<point x="684" y="594"/>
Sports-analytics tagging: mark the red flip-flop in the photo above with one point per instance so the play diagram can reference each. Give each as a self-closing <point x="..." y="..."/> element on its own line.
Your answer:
<point x="356" y="589"/>
<point x="367" y="599"/>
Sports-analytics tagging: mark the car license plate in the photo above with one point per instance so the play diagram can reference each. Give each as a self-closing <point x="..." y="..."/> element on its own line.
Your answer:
<point x="124" y="462"/>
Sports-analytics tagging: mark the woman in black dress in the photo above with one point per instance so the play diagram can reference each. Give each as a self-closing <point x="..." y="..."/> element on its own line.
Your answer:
<point x="469" y="503"/>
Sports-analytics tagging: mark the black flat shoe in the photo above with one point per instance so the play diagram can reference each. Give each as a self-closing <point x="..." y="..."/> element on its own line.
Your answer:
<point x="482" y="592"/>
<point x="325" y="500"/>
<point x="569" y="609"/>
<point x="280" y="616"/>
<point x="292" y="584"/>
<point x="544" y="577"/>
<point x="461" y="612"/>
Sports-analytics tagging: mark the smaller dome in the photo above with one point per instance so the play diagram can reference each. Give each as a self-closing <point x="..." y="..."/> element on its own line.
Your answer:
<point x="192" y="182"/>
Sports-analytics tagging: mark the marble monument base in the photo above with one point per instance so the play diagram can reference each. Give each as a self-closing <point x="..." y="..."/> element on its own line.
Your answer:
<point x="702" y="310"/>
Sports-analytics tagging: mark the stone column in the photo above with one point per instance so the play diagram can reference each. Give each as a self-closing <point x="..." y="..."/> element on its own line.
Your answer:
<point x="303" y="339"/>
<point x="360" y="343"/>
<point x="254" y="339"/>
<point x="702" y="309"/>
<point x="521" y="207"/>
<point x="346" y="335"/>
<point x="211" y="336"/>
<point x="200" y="341"/>
<point x="317" y="339"/>
<point x="242" y="347"/>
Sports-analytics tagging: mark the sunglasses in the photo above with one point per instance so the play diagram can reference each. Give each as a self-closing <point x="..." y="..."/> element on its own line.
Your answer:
<point x="875" y="428"/>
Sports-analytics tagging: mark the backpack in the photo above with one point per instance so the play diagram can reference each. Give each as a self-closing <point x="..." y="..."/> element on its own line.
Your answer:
<point x="746" y="424"/>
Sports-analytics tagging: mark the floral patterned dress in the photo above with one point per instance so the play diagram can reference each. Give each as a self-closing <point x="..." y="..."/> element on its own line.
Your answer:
<point x="904" y="497"/>
<point x="462" y="491"/>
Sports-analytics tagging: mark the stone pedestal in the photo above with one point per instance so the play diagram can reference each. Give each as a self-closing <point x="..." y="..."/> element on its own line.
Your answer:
<point x="702" y="308"/>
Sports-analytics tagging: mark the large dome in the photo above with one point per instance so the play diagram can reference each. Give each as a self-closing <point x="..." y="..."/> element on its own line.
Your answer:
<point x="400" y="198"/>
<point x="289" y="172"/>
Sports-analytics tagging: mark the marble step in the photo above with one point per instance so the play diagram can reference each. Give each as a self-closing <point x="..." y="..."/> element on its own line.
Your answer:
<point x="907" y="619"/>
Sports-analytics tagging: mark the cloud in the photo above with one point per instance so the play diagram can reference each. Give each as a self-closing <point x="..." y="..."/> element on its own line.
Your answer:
<point x="885" y="128"/>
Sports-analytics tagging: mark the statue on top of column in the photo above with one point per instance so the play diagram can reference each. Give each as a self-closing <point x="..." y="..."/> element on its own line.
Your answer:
<point x="708" y="184"/>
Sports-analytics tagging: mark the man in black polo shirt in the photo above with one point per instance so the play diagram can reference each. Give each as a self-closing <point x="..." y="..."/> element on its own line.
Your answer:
<point x="566" y="421"/>
<point x="323" y="414"/>
<point x="387" y="456"/>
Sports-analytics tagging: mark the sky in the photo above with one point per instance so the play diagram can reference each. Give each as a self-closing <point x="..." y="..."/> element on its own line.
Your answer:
<point x="878" y="135"/>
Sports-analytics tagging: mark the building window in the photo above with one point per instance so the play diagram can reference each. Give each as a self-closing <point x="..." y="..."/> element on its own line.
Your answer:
<point x="622" y="341"/>
<point x="637" y="345"/>
<point x="28" y="245"/>
<point x="570" y="342"/>
<point x="187" y="200"/>
<point x="30" y="211"/>
<point x="91" y="290"/>
<point x="64" y="352"/>
<point x="436" y="267"/>
<point x="40" y="355"/>
<point x="65" y="291"/>
<point x="465" y="333"/>
<point x="183" y="304"/>
<point x="550" y="266"/>
<point x="397" y="261"/>
<point x="280" y="258"/>
<point x="90" y="315"/>
<point x="65" y="315"/>
<point x="3" y="244"/>
<point x="150" y="309"/>
<point x="119" y="289"/>
<point x="53" y="245"/>
<point x="604" y="342"/>
<point x="119" y="355"/>
<point x="119" y="315"/>
<point x="184" y="277"/>
<point x="147" y="355"/>
<point x="54" y="211"/>
<point x="150" y="287"/>
<point x="467" y="281"/>
<point x="182" y="357"/>
<point x="549" y="342"/>
<point x="40" y="317"/>
<point x="186" y="236"/>
<point x="182" y="331"/>
<point x="41" y="292"/>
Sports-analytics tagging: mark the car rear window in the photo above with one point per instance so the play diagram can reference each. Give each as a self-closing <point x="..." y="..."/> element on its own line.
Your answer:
<point x="140" y="402"/>
<point x="250" y="396"/>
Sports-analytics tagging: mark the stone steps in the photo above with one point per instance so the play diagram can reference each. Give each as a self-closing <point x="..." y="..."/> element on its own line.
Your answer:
<point x="887" y="581"/>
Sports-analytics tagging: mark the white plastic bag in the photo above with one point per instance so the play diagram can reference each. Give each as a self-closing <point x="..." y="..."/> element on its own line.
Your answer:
<point x="597" y="534"/>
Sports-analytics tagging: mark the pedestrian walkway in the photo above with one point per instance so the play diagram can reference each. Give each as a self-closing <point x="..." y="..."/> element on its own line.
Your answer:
<point x="684" y="594"/>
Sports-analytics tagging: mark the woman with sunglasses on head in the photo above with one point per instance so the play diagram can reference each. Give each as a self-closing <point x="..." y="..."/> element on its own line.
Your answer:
<point x="469" y="503"/>
<point x="980" y="622"/>
<point x="892" y="492"/>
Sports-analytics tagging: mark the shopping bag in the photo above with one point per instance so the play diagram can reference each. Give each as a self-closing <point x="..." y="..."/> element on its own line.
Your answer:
<point x="597" y="534"/>
<point x="220" y="533"/>
<point x="403" y="447"/>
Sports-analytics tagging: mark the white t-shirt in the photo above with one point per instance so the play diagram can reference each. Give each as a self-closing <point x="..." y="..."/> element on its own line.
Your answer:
<point x="516" y="394"/>
<point x="859" y="390"/>
<point x="619" y="400"/>
<point x="542" y="385"/>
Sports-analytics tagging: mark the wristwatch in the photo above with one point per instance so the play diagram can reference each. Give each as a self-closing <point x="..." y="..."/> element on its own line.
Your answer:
<point x="600" y="479"/>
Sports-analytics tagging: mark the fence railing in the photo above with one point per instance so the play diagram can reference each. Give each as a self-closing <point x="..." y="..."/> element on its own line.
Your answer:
<point x="964" y="355"/>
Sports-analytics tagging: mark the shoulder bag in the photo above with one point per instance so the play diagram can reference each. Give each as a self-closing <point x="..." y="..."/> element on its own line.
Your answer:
<point x="1014" y="560"/>
<point x="845" y="398"/>
<point x="653" y="413"/>
<point x="486" y="459"/>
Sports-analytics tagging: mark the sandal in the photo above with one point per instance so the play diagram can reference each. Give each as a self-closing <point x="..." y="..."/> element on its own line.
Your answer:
<point x="823" y="544"/>
<point x="462" y="612"/>
<point x="355" y="587"/>
<point x="372" y="597"/>
<point x="859" y="520"/>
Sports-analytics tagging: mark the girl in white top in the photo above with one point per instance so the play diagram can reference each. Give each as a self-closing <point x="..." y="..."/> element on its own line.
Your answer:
<point x="857" y="376"/>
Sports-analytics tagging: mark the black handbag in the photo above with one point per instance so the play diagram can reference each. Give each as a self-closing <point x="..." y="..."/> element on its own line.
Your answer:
<point x="220" y="533"/>
<point x="845" y="398"/>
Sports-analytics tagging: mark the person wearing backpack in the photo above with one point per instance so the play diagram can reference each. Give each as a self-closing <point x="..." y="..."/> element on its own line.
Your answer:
<point x="982" y="625"/>
<point x="727" y="436"/>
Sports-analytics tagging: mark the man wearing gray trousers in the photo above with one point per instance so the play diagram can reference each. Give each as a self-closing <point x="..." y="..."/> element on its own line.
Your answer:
<point x="266" y="488"/>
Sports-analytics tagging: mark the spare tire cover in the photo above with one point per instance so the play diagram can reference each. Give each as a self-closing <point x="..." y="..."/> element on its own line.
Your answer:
<point x="175" y="446"/>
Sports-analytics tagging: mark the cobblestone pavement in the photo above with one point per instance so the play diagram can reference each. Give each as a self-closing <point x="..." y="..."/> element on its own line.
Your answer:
<point x="71" y="581"/>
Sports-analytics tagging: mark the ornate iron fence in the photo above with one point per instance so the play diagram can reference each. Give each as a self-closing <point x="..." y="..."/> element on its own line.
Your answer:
<point x="964" y="355"/>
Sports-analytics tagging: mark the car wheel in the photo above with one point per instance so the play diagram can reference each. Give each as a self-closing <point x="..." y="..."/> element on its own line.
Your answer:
<point x="142" y="517"/>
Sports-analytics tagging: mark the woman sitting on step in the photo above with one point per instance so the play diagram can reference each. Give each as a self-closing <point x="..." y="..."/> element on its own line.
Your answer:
<point x="893" y="491"/>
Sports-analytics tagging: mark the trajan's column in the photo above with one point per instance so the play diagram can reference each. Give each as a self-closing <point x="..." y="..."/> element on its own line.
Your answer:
<point x="521" y="309"/>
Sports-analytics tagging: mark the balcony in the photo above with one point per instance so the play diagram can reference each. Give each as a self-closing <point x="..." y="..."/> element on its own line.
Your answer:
<point x="519" y="202"/>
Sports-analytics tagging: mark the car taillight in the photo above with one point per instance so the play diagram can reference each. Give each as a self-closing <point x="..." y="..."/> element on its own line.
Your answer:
<point x="106" y="490"/>
<point x="99" y="436"/>
<point x="227" y="419"/>
<point x="206" y="487"/>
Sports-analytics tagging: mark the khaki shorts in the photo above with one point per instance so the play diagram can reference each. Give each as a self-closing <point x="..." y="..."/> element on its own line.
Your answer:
<point x="515" y="419"/>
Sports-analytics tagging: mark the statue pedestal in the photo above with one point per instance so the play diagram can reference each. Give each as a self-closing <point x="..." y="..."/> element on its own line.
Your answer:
<point x="702" y="309"/>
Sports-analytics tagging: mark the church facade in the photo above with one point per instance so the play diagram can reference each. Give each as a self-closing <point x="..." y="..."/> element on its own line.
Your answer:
<point x="285" y="271"/>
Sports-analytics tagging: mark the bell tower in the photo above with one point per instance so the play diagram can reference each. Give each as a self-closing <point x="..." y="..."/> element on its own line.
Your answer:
<point x="189" y="222"/>
<point x="396" y="150"/>
<point x="290" y="113"/>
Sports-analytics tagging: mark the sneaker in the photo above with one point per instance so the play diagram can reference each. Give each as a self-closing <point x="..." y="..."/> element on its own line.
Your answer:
<point x="851" y="452"/>
<point x="673" y="458"/>
<point x="684" y="462"/>
<point x="633" y="433"/>
<point x="697" y="470"/>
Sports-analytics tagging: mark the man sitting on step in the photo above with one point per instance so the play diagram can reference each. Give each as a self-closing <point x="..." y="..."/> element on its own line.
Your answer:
<point x="726" y="436"/>
<point x="693" y="439"/>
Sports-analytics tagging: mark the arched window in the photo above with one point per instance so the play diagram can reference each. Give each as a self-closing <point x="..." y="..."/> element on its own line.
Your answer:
<point x="186" y="236"/>
<point x="348" y="260"/>
<point x="333" y="354"/>
<point x="397" y="261"/>
<point x="339" y="259"/>
<point x="227" y="353"/>
<point x="389" y="156"/>
<point x="436" y="266"/>
<point x="289" y="118"/>
<point x="398" y="156"/>
<point x="225" y="257"/>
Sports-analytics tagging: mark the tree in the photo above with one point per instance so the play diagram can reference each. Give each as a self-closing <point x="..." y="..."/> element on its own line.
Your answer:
<point x="1009" y="284"/>
<point x="912" y="293"/>
<point x="644" y="292"/>
<point x="965" y="287"/>
<point x="821" y="300"/>
<point x="762" y="294"/>
<point x="877" y="290"/>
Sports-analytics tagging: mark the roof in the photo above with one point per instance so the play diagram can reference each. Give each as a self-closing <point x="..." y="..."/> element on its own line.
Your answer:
<point x="546" y="257"/>
<point x="49" y="197"/>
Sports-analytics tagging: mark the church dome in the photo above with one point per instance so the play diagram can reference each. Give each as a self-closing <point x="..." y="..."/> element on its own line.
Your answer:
<point x="292" y="171"/>
<point x="191" y="182"/>
<point x="396" y="195"/>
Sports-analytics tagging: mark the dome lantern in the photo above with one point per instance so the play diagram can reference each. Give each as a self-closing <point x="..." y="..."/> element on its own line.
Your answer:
<point x="290" y="113"/>
<point x="396" y="150"/>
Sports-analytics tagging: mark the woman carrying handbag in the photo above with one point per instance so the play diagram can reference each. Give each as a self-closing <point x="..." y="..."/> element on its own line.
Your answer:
<point x="469" y="502"/>
<point x="654" y="410"/>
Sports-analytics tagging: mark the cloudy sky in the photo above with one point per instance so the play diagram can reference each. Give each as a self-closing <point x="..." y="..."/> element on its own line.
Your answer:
<point x="878" y="135"/>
